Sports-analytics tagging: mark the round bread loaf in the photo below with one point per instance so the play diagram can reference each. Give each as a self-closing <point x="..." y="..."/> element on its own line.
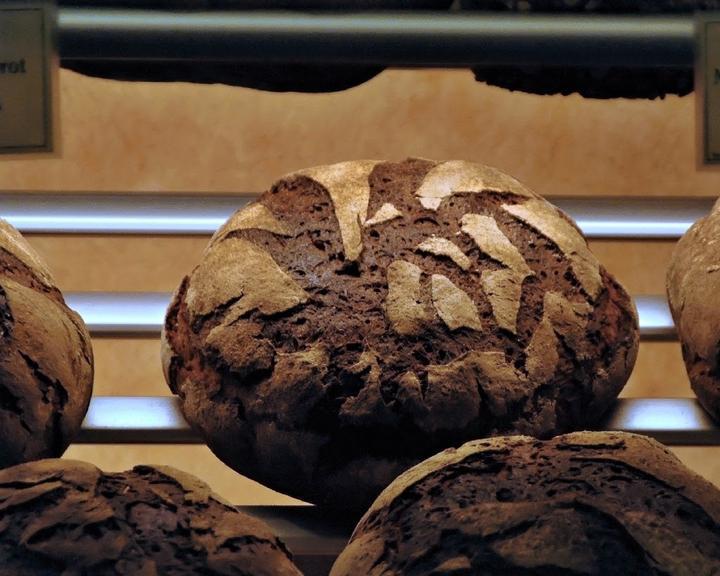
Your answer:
<point x="609" y="504"/>
<point x="362" y="316"/>
<point x="288" y="77"/>
<point x="46" y="362"/>
<point x="596" y="82"/>
<point x="62" y="517"/>
<point x="693" y="284"/>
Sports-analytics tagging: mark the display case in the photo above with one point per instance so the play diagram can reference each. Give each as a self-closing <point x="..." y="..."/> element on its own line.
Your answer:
<point x="398" y="40"/>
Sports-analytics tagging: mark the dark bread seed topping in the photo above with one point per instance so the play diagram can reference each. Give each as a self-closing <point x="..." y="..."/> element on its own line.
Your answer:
<point x="368" y="314"/>
<point x="62" y="517"/>
<point x="46" y="362"/>
<point x="610" y="504"/>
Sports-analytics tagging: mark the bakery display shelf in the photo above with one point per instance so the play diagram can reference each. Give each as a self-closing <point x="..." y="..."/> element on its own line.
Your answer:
<point x="143" y="313"/>
<point x="439" y="39"/>
<point x="608" y="217"/>
<point x="314" y="539"/>
<point x="158" y="420"/>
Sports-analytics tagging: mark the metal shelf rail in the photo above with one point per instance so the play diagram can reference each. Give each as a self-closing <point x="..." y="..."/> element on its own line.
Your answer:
<point x="439" y="39"/>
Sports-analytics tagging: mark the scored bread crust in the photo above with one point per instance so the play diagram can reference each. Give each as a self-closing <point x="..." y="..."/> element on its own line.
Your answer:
<point x="596" y="82"/>
<point x="607" y="503"/>
<point x="693" y="282"/>
<point x="62" y="517"/>
<point x="46" y="362"/>
<point x="361" y="316"/>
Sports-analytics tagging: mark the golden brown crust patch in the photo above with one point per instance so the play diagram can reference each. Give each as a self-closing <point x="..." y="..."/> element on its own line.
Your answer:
<point x="347" y="185"/>
<point x="444" y="247"/>
<point x="454" y="176"/>
<point x="405" y="306"/>
<point x="453" y="305"/>
<point x="243" y="276"/>
<point x="547" y="220"/>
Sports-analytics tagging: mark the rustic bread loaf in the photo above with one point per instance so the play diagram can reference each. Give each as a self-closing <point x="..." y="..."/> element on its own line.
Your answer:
<point x="289" y="77"/>
<point x="693" y="284"/>
<point x="62" y="517"/>
<point x="603" y="503"/>
<point x="46" y="362"/>
<point x="362" y="316"/>
<point x="598" y="82"/>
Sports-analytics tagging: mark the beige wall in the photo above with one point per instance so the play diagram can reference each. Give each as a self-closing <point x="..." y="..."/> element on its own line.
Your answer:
<point x="141" y="137"/>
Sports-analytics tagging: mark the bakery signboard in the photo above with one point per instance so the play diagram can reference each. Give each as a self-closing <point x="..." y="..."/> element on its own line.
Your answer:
<point x="26" y="78"/>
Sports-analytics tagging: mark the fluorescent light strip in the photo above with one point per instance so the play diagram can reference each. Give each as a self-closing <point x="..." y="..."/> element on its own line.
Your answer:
<point x="121" y="312"/>
<point x="144" y="313"/>
<point x="159" y="420"/>
<point x="621" y="229"/>
<point x="149" y="214"/>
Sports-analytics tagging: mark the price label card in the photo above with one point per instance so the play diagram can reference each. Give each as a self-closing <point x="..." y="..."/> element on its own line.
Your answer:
<point x="26" y="76"/>
<point x="707" y="79"/>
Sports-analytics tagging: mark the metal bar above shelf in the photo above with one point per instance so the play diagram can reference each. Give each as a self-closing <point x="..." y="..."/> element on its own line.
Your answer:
<point x="143" y="313"/>
<point x="435" y="39"/>
<point x="158" y="420"/>
<point x="634" y="218"/>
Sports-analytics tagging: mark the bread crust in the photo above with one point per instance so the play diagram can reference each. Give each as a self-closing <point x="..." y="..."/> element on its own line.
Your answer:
<point x="692" y="288"/>
<point x="583" y="503"/>
<point x="63" y="517"/>
<point x="46" y="361"/>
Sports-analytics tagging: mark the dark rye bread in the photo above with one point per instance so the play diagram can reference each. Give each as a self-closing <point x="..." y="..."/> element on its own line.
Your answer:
<point x="46" y="362"/>
<point x="598" y="82"/>
<point x="588" y="503"/>
<point x="362" y="316"/>
<point x="62" y="517"/>
<point x="277" y="77"/>
<point x="693" y="284"/>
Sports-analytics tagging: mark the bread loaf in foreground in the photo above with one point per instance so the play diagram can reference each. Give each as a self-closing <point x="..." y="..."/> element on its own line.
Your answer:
<point x="62" y="517"/>
<point x="603" y="503"/>
<point x="362" y="316"/>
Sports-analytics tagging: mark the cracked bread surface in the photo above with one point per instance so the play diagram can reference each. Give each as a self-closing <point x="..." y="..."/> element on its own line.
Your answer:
<point x="276" y="77"/>
<point x="693" y="281"/>
<point x="362" y="316"/>
<point x="46" y="362"/>
<point x="586" y="503"/>
<point x="637" y="82"/>
<point x="63" y="517"/>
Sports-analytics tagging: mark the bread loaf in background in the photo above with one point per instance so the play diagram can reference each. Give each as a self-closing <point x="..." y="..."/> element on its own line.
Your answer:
<point x="46" y="361"/>
<point x="693" y="286"/>
<point x="635" y="82"/>
<point x="65" y="517"/>
<point x="275" y="77"/>
<point x="362" y="316"/>
<point x="603" y="503"/>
